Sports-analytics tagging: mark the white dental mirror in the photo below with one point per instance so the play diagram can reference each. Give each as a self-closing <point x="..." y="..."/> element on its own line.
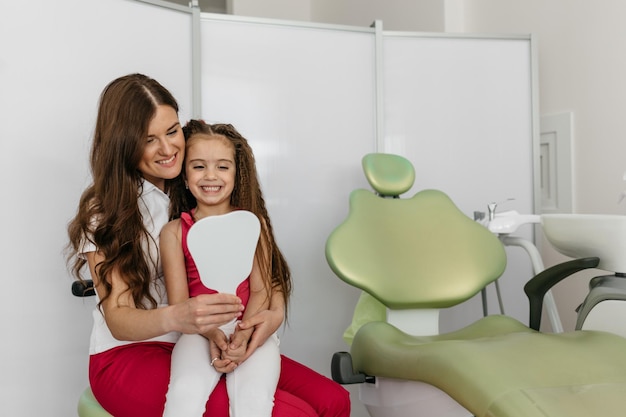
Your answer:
<point x="223" y="248"/>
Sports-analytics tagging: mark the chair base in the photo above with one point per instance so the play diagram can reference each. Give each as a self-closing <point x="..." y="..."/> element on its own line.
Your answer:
<point x="389" y="397"/>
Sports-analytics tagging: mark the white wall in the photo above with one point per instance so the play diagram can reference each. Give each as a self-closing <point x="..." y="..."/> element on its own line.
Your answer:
<point x="276" y="9"/>
<point x="55" y="59"/>
<point x="400" y="15"/>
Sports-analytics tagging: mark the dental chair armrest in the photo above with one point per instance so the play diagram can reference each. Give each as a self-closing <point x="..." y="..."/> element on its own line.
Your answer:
<point x="540" y="284"/>
<point x="83" y="288"/>
<point x="342" y="371"/>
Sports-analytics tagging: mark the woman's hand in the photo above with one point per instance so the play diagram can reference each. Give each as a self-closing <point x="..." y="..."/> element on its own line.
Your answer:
<point x="221" y="365"/>
<point x="236" y="354"/>
<point x="205" y="312"/>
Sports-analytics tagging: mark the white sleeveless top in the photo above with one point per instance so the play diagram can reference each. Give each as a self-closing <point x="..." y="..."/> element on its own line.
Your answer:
<point x="153" y="205"/>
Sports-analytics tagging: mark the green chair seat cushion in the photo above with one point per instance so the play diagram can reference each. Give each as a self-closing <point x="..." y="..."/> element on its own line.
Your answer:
<point x="582" y="400"/>
<point x="489" y="367"/>
<point x="88" y="406"/>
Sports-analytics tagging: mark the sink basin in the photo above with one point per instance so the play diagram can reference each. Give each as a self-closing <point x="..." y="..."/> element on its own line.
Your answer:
<point x="584" y="235"/>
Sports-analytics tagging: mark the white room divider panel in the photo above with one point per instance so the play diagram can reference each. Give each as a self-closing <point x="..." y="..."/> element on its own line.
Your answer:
<point x="461" y="109"/>
<point x="304" y="97"/>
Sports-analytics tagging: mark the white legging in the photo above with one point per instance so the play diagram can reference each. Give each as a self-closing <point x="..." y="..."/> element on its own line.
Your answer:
<point x="251" y="386"/>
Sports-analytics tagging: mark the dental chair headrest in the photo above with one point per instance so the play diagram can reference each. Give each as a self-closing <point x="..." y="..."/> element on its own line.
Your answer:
<point x="389" y="175"/>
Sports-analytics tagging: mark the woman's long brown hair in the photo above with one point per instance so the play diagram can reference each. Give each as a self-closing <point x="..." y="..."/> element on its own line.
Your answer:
<point x="108" y="212"/>
<point x="246" y="195"/>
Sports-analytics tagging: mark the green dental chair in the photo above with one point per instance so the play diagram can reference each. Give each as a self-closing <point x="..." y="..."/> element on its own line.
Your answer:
<point x="415" y="256"/>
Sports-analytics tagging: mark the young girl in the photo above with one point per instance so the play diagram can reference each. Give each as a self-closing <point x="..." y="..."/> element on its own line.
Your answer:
<point x="220" y="177"/>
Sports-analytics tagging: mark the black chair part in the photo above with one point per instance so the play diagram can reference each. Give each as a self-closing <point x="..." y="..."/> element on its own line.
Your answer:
<point x="540" y="284"/>
<point x="83" y="288"/>
<point x="342" y="371"/>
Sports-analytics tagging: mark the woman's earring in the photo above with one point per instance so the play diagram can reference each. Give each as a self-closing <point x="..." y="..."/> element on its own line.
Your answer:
<point x="186" y="185"/>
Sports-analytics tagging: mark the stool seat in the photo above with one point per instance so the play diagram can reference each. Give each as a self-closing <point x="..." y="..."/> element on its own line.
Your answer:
<point x="88" y="406"/>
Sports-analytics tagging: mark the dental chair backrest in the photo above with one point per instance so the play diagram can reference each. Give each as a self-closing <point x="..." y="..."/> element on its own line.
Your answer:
<point x="416" y="253"/>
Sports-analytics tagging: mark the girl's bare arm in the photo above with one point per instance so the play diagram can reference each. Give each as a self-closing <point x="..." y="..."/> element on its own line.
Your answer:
<point x="173" y="261"/>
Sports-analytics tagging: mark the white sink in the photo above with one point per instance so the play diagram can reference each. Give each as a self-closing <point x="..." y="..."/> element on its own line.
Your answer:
<point x="584" y="235"/>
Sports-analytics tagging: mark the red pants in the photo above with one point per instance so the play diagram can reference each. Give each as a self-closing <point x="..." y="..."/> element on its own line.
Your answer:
<point x="131" y="381"/>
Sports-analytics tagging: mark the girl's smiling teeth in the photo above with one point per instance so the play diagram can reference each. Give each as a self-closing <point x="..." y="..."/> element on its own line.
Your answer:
<point x="210" y="188"/>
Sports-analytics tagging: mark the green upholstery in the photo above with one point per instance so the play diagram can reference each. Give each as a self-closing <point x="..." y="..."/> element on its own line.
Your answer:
<point x="88" y="406"/>
<point x="424" y="253"/>
<point x="388" y="174"/>
<point x="367" y="309"/>
<point x="442" y="259"/>
<point x="499" y="367"/>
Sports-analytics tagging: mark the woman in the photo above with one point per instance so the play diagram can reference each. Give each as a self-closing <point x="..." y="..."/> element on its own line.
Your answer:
<point x="137" y="150"/>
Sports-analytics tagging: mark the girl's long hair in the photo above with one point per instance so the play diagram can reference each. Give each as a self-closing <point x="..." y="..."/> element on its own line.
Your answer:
<point x="246" y="195"/>
<point x="108" y="212"/>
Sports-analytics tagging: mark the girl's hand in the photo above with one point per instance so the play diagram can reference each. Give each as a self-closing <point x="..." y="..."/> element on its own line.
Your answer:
<point x="236" y="355"/>
<point x="198" y="315"/>
<point x="237" y="348"/>
<point x="264" y="323"/>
